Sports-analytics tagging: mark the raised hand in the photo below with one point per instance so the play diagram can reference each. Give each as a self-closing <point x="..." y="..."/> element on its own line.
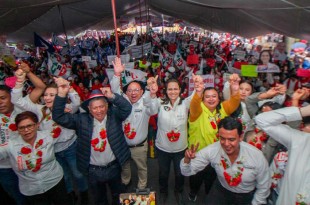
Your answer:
<point x="299" y="94"/>
<point x="234" y="81"/>
<point x="20" y="75"/>
<point x="198" y="83"/>
<point x="118" y="66"/>
<point x="281" y="88"/>
<point x="190" y="153"/>
<point x="24" y="67"/>
<point x="63" y="86"/>
<point x="106" y="91"/>
<point x="152" y="85"/>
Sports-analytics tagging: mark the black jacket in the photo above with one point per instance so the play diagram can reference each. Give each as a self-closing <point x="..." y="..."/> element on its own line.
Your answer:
<point x="119" y="109"/>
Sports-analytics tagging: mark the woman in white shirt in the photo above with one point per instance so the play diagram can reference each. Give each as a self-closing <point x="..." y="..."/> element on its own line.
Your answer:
<point x="65" y="148"/>
<point x="31" y="154"/>
<point x="171" y="139"/>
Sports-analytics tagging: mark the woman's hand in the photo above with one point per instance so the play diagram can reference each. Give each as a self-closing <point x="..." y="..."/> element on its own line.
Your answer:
<point x="63" y="86"/>
<point x="153" y="86"/>
<point x="234" y="81"/>
<point x="198" y="83"/>
<point x="20" y="75"/>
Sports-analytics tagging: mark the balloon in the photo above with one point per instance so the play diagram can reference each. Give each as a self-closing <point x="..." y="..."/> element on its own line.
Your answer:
<point x="171" y="69"/>
<point x="187" y="69"/>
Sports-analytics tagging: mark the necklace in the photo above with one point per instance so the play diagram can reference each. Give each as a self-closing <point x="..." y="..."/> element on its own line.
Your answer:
<point x="33" y="162"/>
<point x="99" y="143"/>
<point x="129" y="132"/>
<point x="236" y="179"/>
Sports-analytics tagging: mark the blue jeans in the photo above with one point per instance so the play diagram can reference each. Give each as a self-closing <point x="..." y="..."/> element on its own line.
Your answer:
<point x="67" y="160"/>
<point x="99" y="177"/>
<point x="9" y="182"/>
<point x="164" y="161"/>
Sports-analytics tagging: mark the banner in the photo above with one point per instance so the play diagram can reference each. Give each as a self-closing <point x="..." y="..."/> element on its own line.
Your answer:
<point x="128" y="75"/>
<point x="239" y="54"/>
<point x="165" y="58"/>
<point x="207" y="79"/>
<point x="136" y="51"/>
<point x="269" y="68"/>
<point x="55" y="67"/>
<point x="124" y="58"/>
<point x="154" y="36"/>
<point x="249" y="70"/>
<point x="178" y="60"/>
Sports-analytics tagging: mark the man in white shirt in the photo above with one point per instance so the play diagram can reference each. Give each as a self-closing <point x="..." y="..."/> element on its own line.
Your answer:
<point x="136" y="125"/>
<point x="242" y="170"/>
<point x="295" y="187"/>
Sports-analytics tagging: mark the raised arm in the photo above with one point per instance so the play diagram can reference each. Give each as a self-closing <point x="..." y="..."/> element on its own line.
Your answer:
<point x="150" y="100"/>
<point x="39" y="86"/>
<point x="271" y="123"/>
<point x="195" y="109"/>
<point x="233" y="102"/>
<point x="115" y="82"/>
<point x="122" y="106"/>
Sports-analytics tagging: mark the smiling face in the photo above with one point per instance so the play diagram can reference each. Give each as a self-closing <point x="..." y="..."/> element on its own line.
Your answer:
<point x="230" y="140"/>
<point x="134" y="92"/>
<point x="49" y="96"/>
<point x="173" y="91"/>
<point x="265" y="57"/>
<point x="98" y="108"/>
<point x="211" y="99"/>
<point x="245" y="90"/>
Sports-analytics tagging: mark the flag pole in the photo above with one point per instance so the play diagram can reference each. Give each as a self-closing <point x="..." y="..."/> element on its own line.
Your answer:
<point x="115" y="28"/>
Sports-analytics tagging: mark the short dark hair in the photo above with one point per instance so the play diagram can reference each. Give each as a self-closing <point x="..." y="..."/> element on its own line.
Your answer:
<point x="5" y="88"/>
<point x="26" y="115"/>
<point x="134" y="81"/>
<point x="230" y="123"/>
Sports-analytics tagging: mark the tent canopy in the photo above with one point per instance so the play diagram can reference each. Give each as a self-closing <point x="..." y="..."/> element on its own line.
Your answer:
<point x="20" y="18"/>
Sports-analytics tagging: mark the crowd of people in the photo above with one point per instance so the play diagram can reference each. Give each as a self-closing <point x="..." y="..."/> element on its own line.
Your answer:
<point x="65" y="140"/>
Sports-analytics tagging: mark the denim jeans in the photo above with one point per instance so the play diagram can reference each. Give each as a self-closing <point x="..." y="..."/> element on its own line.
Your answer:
<point x="99" y="178"/>
<point x="67" y="160"/>
<point x="9" y="182"/>
<point x="164" y="162"/>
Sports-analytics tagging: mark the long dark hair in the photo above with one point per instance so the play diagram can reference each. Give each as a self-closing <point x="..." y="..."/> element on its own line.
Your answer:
<point x="260" y="62"/>
<point x="166" y="100"/>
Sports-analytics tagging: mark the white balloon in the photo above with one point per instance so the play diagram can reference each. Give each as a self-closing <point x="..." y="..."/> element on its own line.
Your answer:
<point x="167" y="74"/>
<point x="217" y="81"/>
<point x="171" y="69"/>
<point x="187" y="68"/>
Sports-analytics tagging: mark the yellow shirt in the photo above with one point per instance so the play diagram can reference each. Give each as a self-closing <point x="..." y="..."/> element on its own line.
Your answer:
<point x="203" y="123"/>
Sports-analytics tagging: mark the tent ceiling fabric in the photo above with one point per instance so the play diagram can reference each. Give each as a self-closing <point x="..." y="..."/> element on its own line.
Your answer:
<point x="20" y="18"/>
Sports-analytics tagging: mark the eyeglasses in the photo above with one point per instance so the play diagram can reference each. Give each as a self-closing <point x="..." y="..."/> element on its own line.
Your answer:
<point x="134" y="90"/>
<point x="28" y="127"/>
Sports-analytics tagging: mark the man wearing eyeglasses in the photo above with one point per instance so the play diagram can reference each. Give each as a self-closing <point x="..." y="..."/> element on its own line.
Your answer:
<point x="136" y="125"/>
